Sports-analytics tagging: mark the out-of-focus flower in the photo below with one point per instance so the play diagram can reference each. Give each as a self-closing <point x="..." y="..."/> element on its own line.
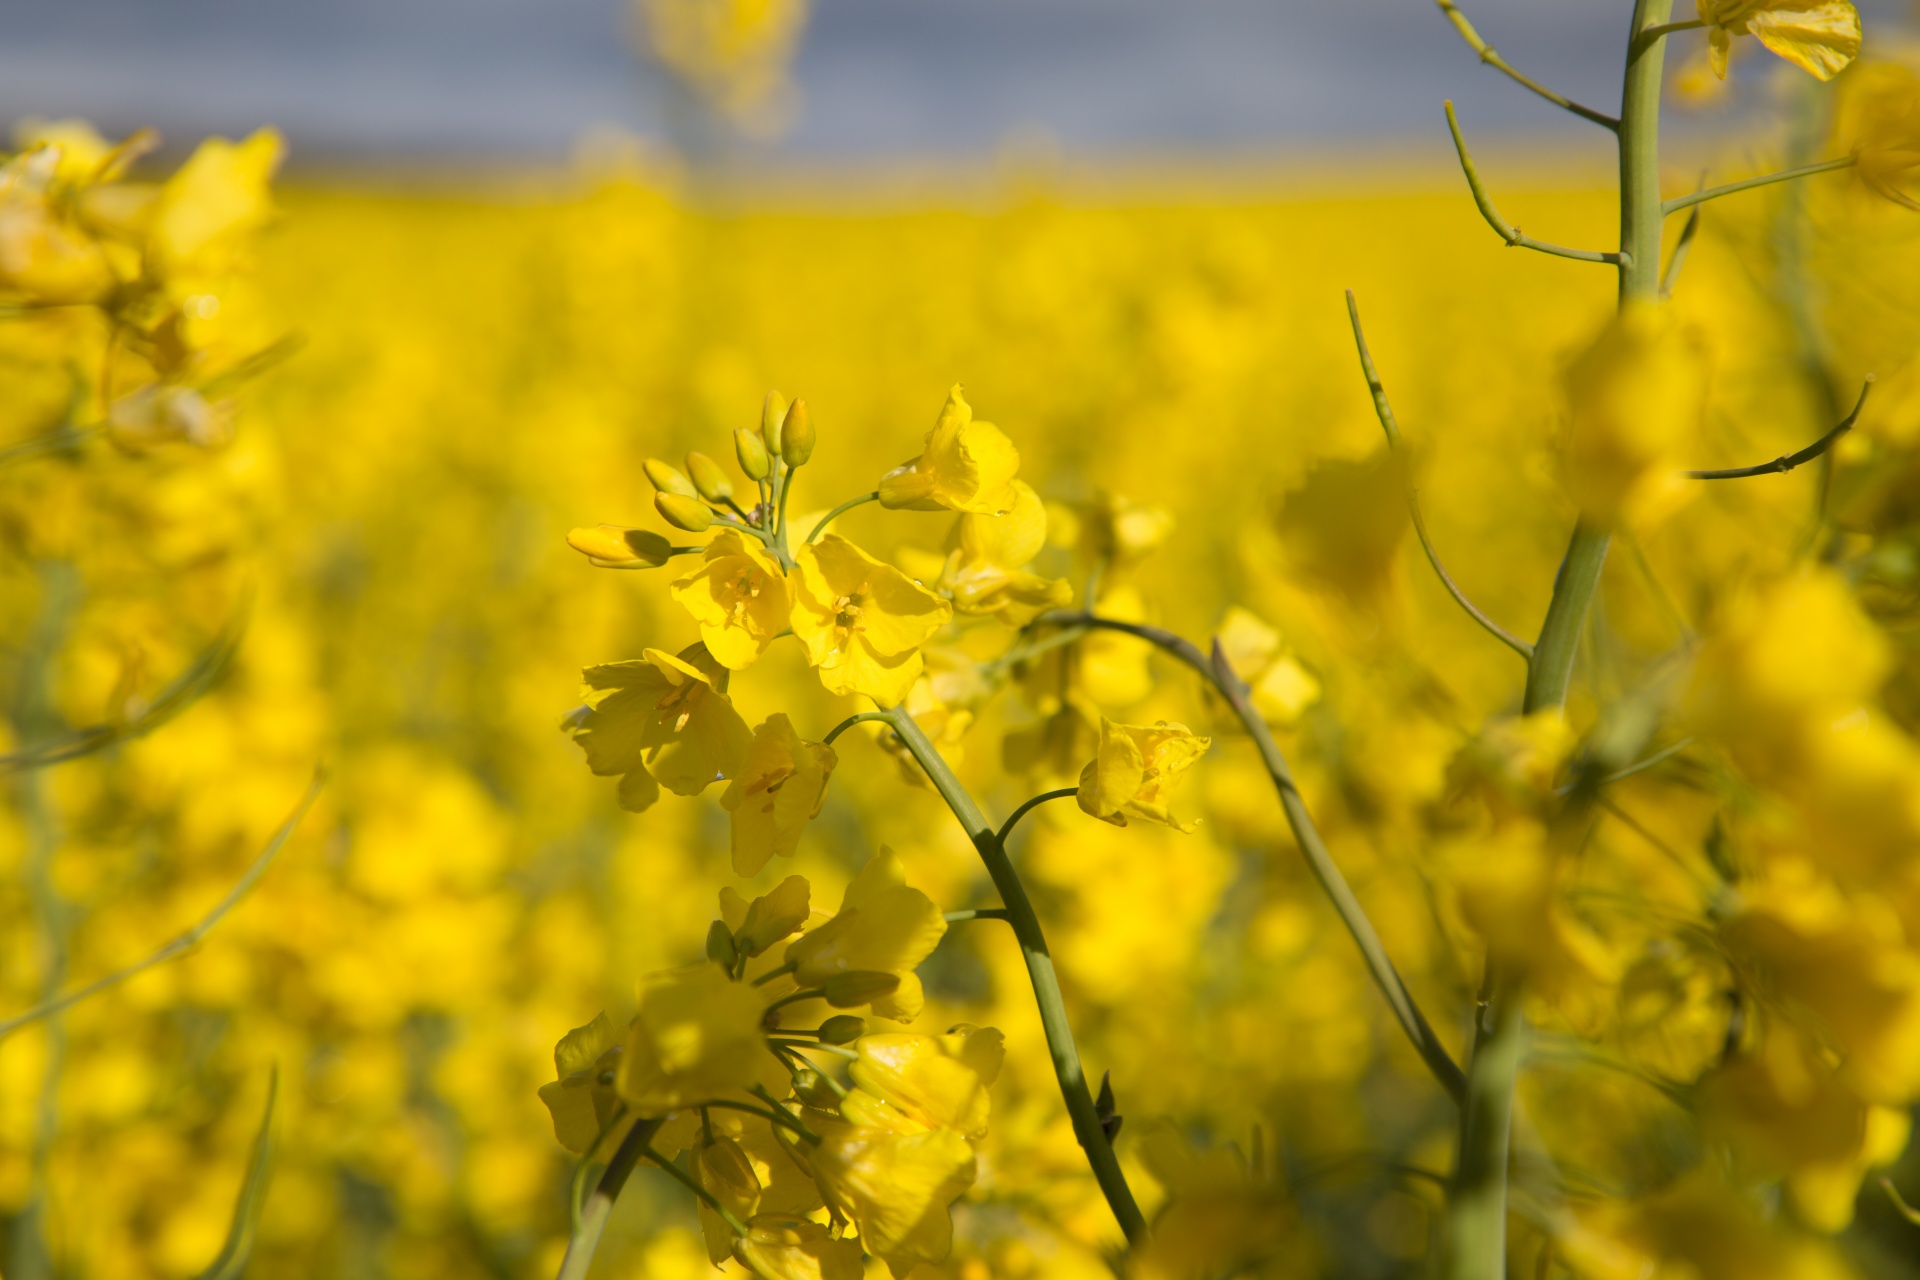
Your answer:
<point x="696" y="1038"/>
<point x="44" y="257"/>
<point x="986" y="572"/>
<point x="1222" y="1219"/>
<point x="1341" y="529"/>
<point x="1137" y="770"/>
<point x="1878" y="120"/>
<point x="207" y="213"/>
<point x="157" y="414"/>
<point x="661" y="720"/>
<point x="1282" y="688"/>
<point x="733" y="54"/>
<point x="1819" y="36"/>
<point x="1636" y="396"/>
<point x="738" y="596"/>
<point x="885" y="926"/>
<point x="772" y="917"/>
<point x="778" y="792"/>
<point x="863" y="621"/>
<point x="779" y="1247"/>
<point x="966" y="466"/>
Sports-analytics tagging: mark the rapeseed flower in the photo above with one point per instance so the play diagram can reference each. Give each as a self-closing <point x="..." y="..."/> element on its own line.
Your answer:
<point x="781" y="1247"/>
<point x="696" y="1038"/>
<point x="738" y="595"/>
<point x="772" y="917"/>
<point x="884" y="926"/>
<point x="776" y="794"/>
<point x="1636" y="396"/>
<point x="863" y="621"/>
<point x="1819" y="36"/>
<point x="582" y="1098"/>
<point x="986" y="567"/>
<point x="660" y="720"/>
<point x="1137" y="770"/>
<point x="966" y="466"/>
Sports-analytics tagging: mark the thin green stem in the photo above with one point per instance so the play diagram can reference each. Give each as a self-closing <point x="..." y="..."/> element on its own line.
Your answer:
<point x="1498" y="63"/>
<point x="776" y="1115"/>
<point x="833" y="1049"/>
<point x="705" y="1197"/>
<point x="809" y="993"/>
<point x="783" y="1117"/>
<point x="1390" y="425"/>
<point x="724" y="522"/>
<point x="780" y="519"/>
<point x="976" y="913"/>
<point x="1476" y="1243"/>
<point x="577" y="1188"/>
<point x="1788" y="462"/>
<point x="1747" y="184"/>
<point x="1040" y="970"/>
<point x="1514" y="237"/>
<point x="1013" y="819"/>
<point x="851" y="721"/>
<point x="585" y="1240"/>
<point x="1649" y="34"/>
<point x="771" y="974"/>
<point x="1220" y="673"/>
<point x="1678" y="258"/>
<point x="841" y="510"/>
<point x="1551" y="668"/>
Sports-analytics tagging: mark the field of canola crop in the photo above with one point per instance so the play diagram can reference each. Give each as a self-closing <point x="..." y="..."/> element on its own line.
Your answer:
<point x="383" y="546"/>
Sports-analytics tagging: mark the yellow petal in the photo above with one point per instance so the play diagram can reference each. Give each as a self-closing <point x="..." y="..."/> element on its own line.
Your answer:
<point x="1819" y="36"/>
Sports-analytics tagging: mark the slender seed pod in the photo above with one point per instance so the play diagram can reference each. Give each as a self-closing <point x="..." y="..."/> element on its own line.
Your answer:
<point x="683" y="512"/>
<point x="771" y="415"/>
<point x="752" y="453"/>
<point x="796" y="435"/>
<point x="708" y="478"/>
<point x="667" y="478"/>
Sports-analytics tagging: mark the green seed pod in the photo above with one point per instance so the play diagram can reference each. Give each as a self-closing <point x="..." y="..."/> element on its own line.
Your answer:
<point x="796" y="435"/>
<point x="708" y="478"/>
<point x="752" y="453"/>
<point x="861" y="986"/>
<point x="683" y="511"/>
<point x="842" y="1028"/>
<point x="667" y="478"/>
<point x="720" y="945"/>
<point x="771" y="415"/>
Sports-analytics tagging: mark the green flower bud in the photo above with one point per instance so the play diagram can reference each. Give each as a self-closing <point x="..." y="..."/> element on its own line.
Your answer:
<point x="683" y="511"/>
<point x="796" y="435"/>
<point x="708" y="478"/>
<point x="858" y="987"/>
<point x="813" y="1089"/>
<point x="771" y="415"/>
<point x="752" y="453"/>
<point x="842" y="1028"/>
<point x="720" y="945"/>
<point x="667" y="478"/>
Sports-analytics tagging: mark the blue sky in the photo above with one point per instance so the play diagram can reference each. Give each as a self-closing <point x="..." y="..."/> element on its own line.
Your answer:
<point x="879" y="78"/>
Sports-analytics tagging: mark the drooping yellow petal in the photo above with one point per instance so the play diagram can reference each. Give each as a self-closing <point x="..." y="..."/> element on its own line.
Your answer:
<point x="661" y="718"/>
<point x="966" y="466"/>
<point x="897" y="1188"/>
<point x="696" y="1038"/>
<point x="1136" y="771"/>
<point x="777" y="794"/>
<point x="779" y="1247"/>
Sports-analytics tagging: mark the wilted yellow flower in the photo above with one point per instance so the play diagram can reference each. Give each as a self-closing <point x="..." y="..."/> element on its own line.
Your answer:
<point x="660" y="720"/>
<point x="896" y="1187"/>
<point x="769" y="918"/>
<point x="779" y="1247"/>
<point x="612" y="546"/>
<point x="212" y="205"/>
<point x="884" y="925"/>
<point x="696" y="1038"/>
<point x="1636" y="397"/>
<point x="966" y="466"/>
<point x="778" y="792"/>
<point x="1137" y="770"/>
<point x="582" y="1098"/>
<point x="863" y="622"/>
<point x="738" y="596"/>
<point x="1819" y="36"/>
<point x="986" y="563"/>
<point x="907" y="1083"/>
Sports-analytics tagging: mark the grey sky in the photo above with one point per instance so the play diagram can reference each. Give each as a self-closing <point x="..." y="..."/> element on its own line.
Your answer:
<point x="879" y="77"/>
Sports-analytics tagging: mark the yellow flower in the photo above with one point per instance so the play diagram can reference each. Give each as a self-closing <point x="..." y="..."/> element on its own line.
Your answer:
<point x="1819" y="36"/>
<point x="43" y="256"/>
<point x="897" y="1188"/>
<point x="908" y="1083"/>
<point x="986" y="563"/>
<point x="612" y="546"/>
<point x="738" y="596"/>
<point x="779" y="1247"/>
<point x="582" y="1098"/>
<point x="209" y="208"/>
<point x="777" y="794"/>
<point x="1506" y="886"/>
<point x="1221" y="1220"/>
<point x="884" y="925"/>
<point x="769" y="918"/>
<point x="696" y="1038"/>
<point x="966" y="466"/>
<point x="863" y="622"/>
<point x="1116" y="534"/>
<point x="1282" y="688"/>
<point x="1636" y="397"/>
<point x="1136" y="770"/>
<point x="721" y="1167"/>
<point x="660" y="720"/>
<point x="1879" y="118"/>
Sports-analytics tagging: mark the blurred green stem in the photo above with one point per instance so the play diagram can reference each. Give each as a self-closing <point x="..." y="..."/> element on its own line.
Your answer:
<point x="585" y="1240"/>
<point x="1046" y="983"/>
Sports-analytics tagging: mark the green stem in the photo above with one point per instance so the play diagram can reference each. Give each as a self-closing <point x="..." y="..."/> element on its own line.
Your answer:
<point x="976" y="913"/>
<point x="1218" y="671"/>
<point x="687" y="1180"/>
<point x="1552" y="666"/>
<point x="849" y="722"/>
<point x="841" y="510"/>
<point x="1747" y="184"/>
<point x="585" y="1239"/>
<point x="777" y="1115"/>
<point x="1476" y="1245"/>
<point x="1046" y="983"/>
<point x="1013" y="819"/>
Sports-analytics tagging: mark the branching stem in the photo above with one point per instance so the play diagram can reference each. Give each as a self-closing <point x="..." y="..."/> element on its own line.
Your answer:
<point x="1498" y="63"/>
<point x="841" y="510"/>
<point x="1747" y="184"/>
<point x="1514" y="237"/>
<point x="585" y="1240"/>
<point x="1787" y="462"/>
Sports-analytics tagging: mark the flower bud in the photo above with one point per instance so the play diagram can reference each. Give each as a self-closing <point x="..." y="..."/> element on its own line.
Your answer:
<point x="859" y="986"/>
<point x="611" y="546"/>
<point x="796" y="435"/>
<point x="668" y="479"/>
<point x="708" y="478"/>
<point x="752" y="453"/>
<point x="842" y="1028"/>
<point x="683" y="511"/>
<point x="771" y="415"/>
<point x="720" y="945"/>
<point x="813" y="1089"/>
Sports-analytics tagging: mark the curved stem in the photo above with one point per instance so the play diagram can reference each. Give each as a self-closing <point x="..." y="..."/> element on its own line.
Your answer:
<point x="1006" y="828"/>
<point x="1219" y="671"/>
<point x="1747" y="184"/>
<point x="1498" y="63"/>
<point x="686" y="1180"/>
<point x="1389" y="424"/>
<point x="772" y="974"/>
<point x="1788" y="462"/>
<point x="774" y="1115"/>
<point x="1514" y="237"/>
<point x="849" y="722"/>
<point x="585" y="1239"/>
<point x="1046" y="983"/>
<point x="841" y="510"/>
